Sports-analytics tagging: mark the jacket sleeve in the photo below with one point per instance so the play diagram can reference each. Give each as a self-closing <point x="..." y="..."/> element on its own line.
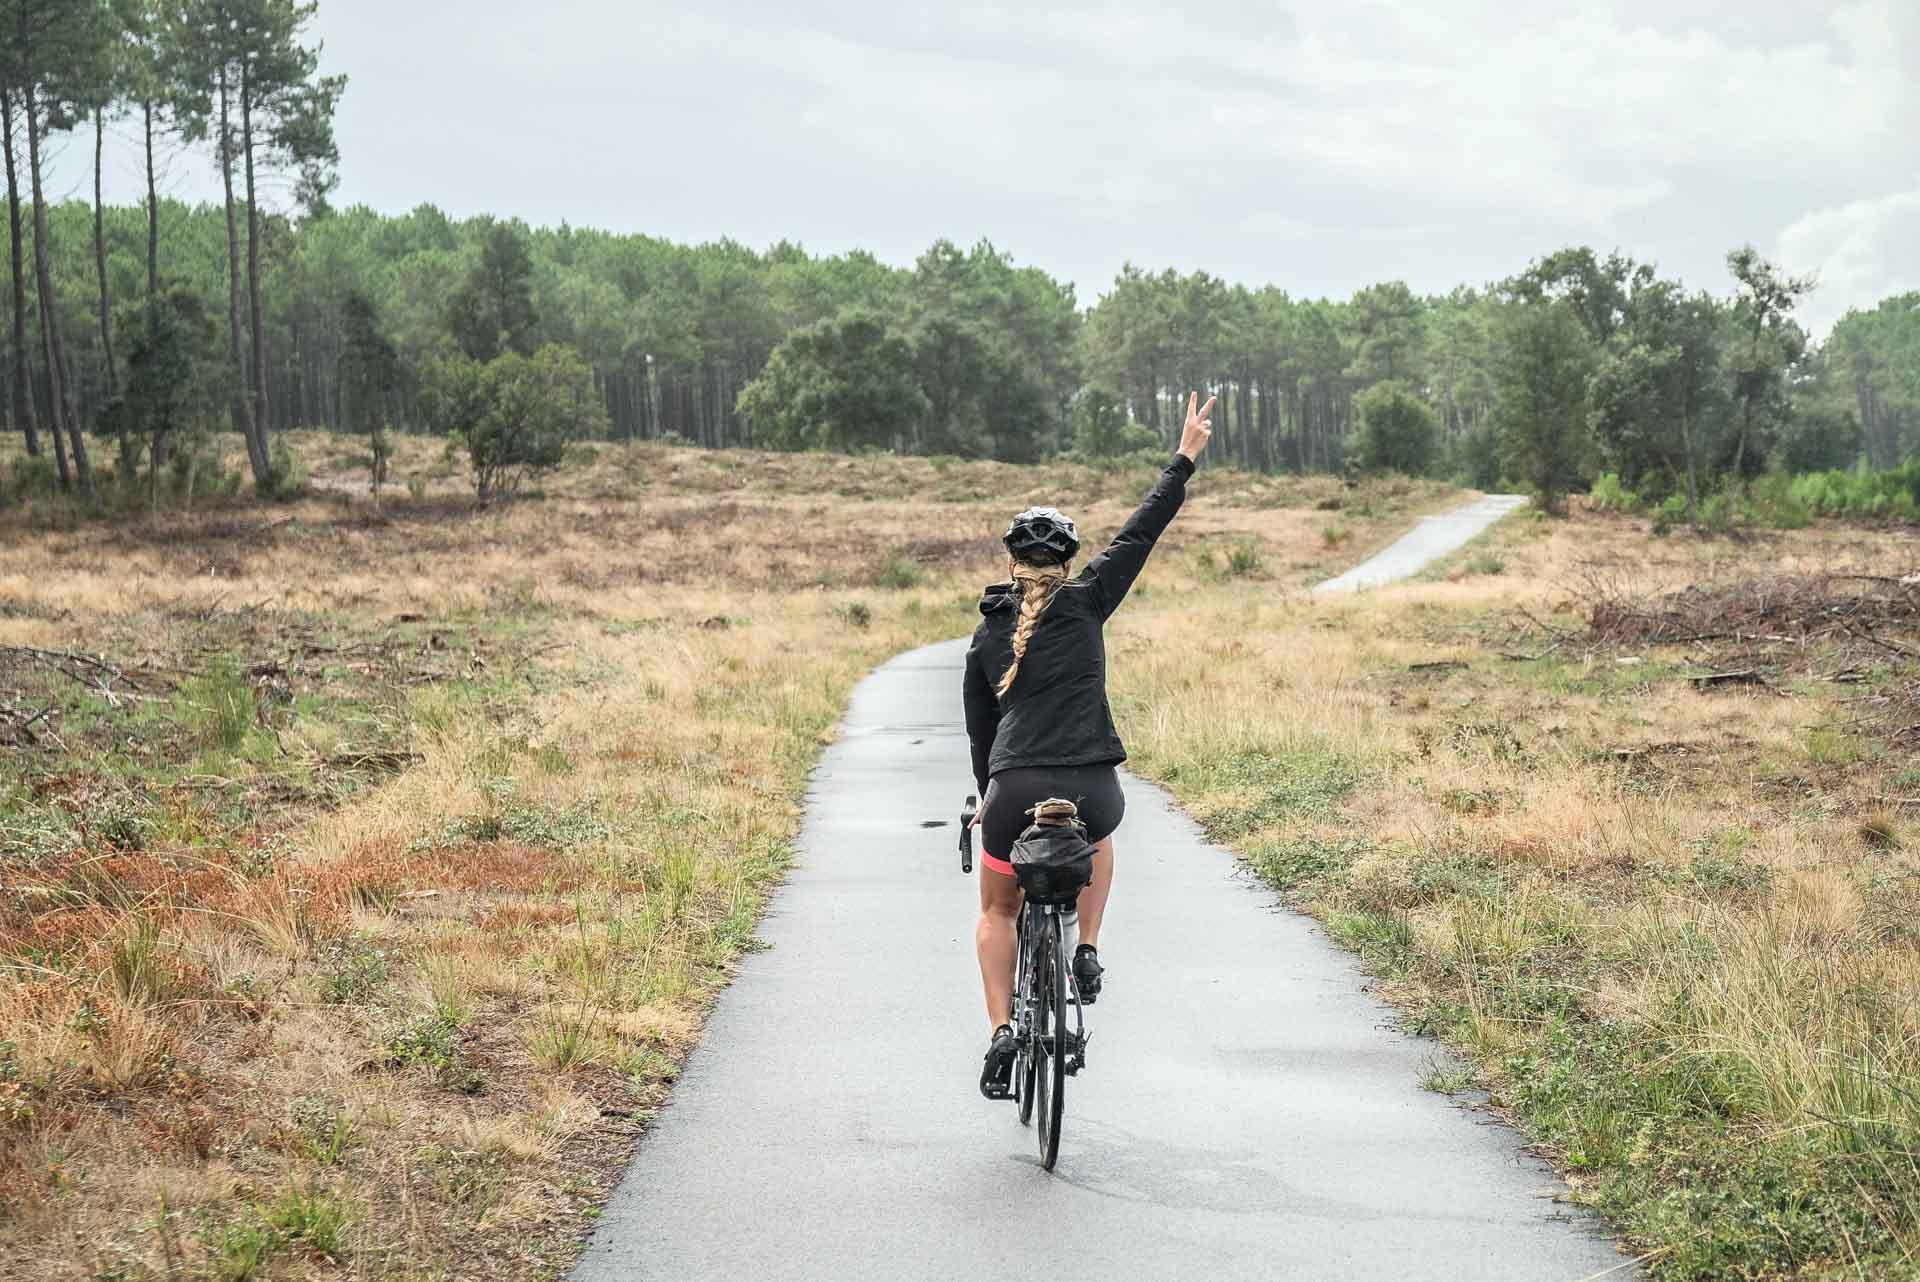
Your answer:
<point x="1111" y="574"/>
<point x="983" y="715"/>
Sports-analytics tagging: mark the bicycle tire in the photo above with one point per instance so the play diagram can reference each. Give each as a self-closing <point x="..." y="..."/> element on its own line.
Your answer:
<point x="1024" y="1063"/>
<point x="1052" y="1040"/>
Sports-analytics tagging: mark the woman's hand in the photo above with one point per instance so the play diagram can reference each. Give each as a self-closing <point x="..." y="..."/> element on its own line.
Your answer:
<point x="1199" y="428"/>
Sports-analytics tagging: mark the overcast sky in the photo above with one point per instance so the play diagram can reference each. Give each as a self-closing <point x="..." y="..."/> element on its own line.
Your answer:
<point x="1316" y="144"/>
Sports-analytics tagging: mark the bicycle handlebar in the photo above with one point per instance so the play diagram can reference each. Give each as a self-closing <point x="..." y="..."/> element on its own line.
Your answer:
<point x="967" y="812"/>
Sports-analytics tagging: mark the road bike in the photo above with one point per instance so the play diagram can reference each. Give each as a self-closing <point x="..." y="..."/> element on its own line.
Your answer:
<point x="1048" y="1027"/>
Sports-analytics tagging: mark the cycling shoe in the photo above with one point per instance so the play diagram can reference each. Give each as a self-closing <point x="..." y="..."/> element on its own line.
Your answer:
<point x="1086" y="973"/>
<point x="996" y="1077"/>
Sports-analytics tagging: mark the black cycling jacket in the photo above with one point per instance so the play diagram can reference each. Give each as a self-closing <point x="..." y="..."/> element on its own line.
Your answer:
<point x="1056" y="713"/>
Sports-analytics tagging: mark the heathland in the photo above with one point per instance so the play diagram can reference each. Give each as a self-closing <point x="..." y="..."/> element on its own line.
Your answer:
<point x="369" y="867"/>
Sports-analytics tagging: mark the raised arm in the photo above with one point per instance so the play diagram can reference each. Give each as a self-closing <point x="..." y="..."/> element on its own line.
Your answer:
<point x="1111" y="574"/>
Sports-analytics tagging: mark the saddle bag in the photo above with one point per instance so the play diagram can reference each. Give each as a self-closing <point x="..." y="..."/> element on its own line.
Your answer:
<point x="1053" y="860"/>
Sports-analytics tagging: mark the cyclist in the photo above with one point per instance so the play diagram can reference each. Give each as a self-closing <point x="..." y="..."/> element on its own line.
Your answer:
<point x="1038" y="721"/>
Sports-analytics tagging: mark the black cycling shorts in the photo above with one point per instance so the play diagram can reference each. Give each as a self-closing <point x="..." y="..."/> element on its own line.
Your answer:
<point x="1011" y="793"/>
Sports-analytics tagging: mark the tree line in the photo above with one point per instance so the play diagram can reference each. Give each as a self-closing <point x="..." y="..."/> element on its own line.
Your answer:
<point x="233" y="76"/>
<point x="150" y="327"/>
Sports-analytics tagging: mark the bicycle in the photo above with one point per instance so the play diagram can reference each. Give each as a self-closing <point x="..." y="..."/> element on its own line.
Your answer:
<point x="1044" y="990"/>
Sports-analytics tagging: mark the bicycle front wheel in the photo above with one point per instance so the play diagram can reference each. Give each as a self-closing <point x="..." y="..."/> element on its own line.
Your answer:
<point x="1053" y="1042"/>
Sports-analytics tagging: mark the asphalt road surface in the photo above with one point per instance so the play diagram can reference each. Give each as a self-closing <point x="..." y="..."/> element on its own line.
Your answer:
<point x="1429" y="540"/>
<point x="1247" y="1111"/>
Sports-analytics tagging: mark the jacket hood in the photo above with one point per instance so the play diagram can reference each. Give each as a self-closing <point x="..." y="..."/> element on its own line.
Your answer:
<point x="999" y="596"/>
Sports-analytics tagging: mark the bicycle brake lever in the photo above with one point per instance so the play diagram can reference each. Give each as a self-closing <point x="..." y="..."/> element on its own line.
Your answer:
<point x="967" y="812"/>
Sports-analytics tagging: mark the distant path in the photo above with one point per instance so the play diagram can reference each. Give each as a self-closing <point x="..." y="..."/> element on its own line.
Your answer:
<point x="1248" y="1110"/>
<point x="1425" y="543"/>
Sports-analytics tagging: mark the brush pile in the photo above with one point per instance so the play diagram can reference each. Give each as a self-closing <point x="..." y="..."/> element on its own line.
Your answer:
<point x="1792" y="608"/>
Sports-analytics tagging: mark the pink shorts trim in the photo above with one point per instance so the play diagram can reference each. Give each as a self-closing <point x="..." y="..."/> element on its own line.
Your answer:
<point x="1000" y="866"/>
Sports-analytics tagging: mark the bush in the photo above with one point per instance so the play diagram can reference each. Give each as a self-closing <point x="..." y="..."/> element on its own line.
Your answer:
<point x="514" y="415"/>
<point x="1893" y="494"/>
<point x="856" y="614"/>
<point x="33" y="477"/>
<point x="286" y="472"/>
<point x="1774" y="503"/>
<point x="1608" y="495"/>
<point x="899" y="573"/>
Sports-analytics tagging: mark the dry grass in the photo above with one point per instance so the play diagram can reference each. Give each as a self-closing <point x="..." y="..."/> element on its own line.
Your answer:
<point x="364" y="935"/>
<point x="1672" y="926"/>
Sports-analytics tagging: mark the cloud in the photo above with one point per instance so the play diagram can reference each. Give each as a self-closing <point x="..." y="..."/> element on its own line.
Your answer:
<point x="1320" y="145"/>
<point x="1861" y="251"/>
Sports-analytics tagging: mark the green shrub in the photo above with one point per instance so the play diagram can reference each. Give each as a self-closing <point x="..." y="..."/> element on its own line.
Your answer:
<point x="286" y="471"/>
<point x="33" y="477"/>
<point x="430" y="1042"/>
<point x="1244" y="558"/>
<point x="1610" y="496"/>
<point x="899" y="573"/>
<point x="1775" y="503"/>
<point x="354" y="969"/>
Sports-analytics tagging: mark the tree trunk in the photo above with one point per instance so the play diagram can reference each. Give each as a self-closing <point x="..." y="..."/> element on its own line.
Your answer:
<point x="23" y="409"/>
<point x="257" y="313"/>
<point x="100" y="251"/>
<point x="153" y="220"/>
<point x="240" y="405"/>
<point x="60" y="408"/>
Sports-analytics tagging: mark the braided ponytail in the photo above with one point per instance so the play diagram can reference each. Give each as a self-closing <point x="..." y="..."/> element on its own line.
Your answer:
<point x="1039" y="584"/>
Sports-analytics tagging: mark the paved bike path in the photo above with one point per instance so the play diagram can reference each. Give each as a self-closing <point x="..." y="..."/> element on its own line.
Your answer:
<point x="1430" y="539"/>
<point x="1247" y="1110"/>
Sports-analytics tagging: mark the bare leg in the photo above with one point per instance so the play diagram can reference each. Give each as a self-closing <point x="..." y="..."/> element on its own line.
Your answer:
<point x="994" y="939"/>
<point x="1093" y="900"/>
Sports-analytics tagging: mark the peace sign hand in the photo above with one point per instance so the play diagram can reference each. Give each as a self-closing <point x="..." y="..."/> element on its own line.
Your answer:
<point x="1199" y="428"/>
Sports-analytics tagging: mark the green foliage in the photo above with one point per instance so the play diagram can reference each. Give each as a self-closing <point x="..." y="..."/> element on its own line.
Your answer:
<point x="315" y="1219"/>
<point x="286" y="472"/>
<point x="1398" y="430"/>
<point x="846" y="383"/>
<point x="371" y="378"/>
<point x="353" y="969"/>
<point x="1609" y="495"/>
<point x="513" y="414"/>
<point x="173" y="395"/>
<point x="855" y="614"/>
<point x="492" y="312"/>
<point x="1544" y="360"/>
<point x="1102" y="430"/>
<point x="431" y="1042"/>
<point x="325" y="1135"/>
<point x="219" y="706"/>
<point x="899" y="573"/>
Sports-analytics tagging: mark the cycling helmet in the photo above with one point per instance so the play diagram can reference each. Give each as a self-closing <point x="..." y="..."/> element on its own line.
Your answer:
<point x="1042" y="536"/>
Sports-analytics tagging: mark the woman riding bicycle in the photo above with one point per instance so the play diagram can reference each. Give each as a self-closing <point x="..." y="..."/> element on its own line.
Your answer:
<point x="1037" y="717"/>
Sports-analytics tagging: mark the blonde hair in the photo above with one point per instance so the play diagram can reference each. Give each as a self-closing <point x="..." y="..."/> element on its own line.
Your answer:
<point x="1039" y="584"/>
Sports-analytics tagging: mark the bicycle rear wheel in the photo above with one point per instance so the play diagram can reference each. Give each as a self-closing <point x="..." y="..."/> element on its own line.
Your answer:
<point x="1052" y="1041"/>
